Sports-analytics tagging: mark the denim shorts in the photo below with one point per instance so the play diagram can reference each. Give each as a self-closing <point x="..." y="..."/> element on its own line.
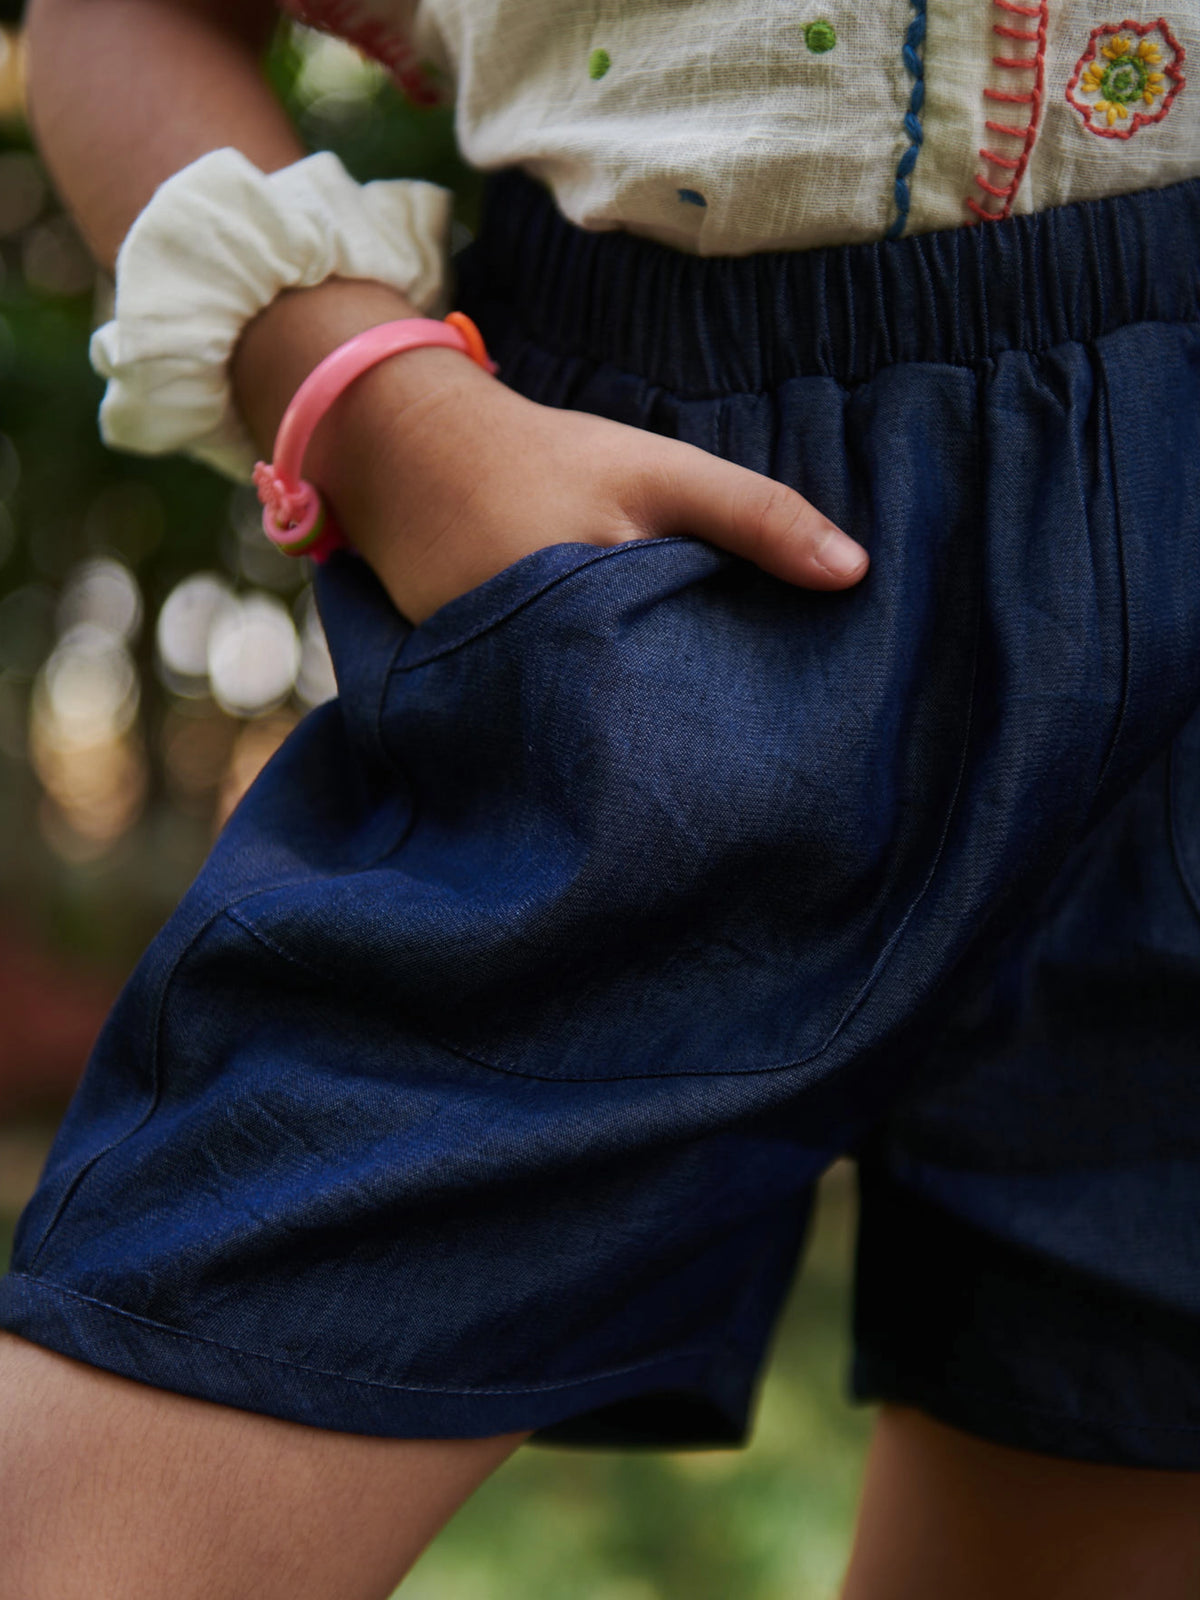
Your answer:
<point x="482" y="1079"/>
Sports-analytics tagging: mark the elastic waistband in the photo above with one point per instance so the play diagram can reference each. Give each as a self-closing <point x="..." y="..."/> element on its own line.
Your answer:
<point x="715" y="325"/>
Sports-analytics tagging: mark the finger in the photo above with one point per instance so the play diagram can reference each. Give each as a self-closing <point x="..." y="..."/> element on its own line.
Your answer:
<point x="752" y="516"/>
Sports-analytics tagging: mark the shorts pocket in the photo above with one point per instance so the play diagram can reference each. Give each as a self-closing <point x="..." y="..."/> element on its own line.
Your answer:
<point x="670" y="815"/>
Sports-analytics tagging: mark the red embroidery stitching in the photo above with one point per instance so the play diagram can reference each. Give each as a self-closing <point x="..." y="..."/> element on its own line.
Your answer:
<point x="1005" y="127"/>
<point x="1016" y="165"/>
<point x="1144" y="84"/>
<point x="348" y="20"/>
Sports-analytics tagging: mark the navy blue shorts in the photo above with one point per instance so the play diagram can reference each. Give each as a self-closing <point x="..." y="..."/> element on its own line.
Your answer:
<point x="482" y="1079"/>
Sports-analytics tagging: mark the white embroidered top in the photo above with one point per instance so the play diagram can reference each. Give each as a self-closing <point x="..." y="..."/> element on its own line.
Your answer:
<point x="726" y="126"/>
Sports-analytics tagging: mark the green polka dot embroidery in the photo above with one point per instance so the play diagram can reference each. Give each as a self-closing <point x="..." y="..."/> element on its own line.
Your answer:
<point x="598" y="63"/>
<point x="819" y="37"/>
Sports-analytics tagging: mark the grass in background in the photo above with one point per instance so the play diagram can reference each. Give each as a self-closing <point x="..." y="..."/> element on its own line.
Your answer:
<point x="772" y="1522"/>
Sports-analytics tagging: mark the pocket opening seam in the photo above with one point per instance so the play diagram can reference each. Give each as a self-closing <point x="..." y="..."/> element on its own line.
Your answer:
<point x="521" y="601"/>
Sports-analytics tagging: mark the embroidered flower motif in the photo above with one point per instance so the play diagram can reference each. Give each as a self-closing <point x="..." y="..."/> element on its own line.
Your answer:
<point x="1127" y="77"/>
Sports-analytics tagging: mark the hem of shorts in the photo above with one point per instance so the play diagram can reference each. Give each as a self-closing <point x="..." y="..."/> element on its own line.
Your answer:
<point x="1103" y="1440"/>
<point x="164" y="1357"/>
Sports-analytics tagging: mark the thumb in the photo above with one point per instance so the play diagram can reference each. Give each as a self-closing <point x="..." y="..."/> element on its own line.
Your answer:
<point x="750" y="515"/>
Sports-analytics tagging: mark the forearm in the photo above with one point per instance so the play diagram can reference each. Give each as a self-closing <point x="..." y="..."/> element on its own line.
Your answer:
<point x="122" y="93"/>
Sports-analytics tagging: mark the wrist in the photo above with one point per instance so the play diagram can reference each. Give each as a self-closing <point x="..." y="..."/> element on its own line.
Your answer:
<point x="280" y="347"/>
<point x="291" y="336"/>
<point x="369" y="445"/>
<point x="354" y="428"/>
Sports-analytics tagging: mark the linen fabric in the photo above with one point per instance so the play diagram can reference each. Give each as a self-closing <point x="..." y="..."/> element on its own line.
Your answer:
<point x="482" y="1079"/>
<point x="725" y="127"/>
<point x="215" y="245"/>
<point x="711" y="127"/>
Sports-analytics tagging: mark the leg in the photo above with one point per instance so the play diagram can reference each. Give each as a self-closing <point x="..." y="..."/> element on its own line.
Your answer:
<point x="113" y="1491"/>
<point x="949" y="1515"/>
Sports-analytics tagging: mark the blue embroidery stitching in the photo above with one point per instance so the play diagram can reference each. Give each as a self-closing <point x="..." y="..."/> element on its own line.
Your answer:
<point x="913" y="60"/>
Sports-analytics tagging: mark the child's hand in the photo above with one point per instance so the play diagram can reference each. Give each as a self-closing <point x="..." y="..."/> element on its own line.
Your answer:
<point x="468" y="477"/>
<point x="441" y="476"/>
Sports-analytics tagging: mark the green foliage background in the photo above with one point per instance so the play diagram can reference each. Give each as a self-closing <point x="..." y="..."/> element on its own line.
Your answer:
<point x="63" y="495"/>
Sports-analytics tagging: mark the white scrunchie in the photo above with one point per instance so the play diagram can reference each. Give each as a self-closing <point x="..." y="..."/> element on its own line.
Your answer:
<point x="217" y="242"/>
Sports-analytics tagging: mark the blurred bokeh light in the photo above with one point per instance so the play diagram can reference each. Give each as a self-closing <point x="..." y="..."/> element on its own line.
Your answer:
<point x="84" y="741"/>
<point x="253" y="655"/>
<point x="154" y="647"/>
<point x="315" y="682"/>
<point x="102" y="591"/>
<point x="185" y="625"/>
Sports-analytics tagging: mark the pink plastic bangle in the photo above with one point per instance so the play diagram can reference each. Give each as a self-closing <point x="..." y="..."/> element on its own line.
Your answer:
<point x="294" y="515"/>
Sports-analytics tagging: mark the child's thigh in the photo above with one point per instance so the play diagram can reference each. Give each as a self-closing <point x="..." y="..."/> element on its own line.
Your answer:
<point x="108" y="1487"/>
<point x="944" y="1513"/>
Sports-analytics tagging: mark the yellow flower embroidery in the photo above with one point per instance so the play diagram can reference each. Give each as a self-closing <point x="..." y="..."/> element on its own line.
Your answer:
<point x="1116" y="78"/>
